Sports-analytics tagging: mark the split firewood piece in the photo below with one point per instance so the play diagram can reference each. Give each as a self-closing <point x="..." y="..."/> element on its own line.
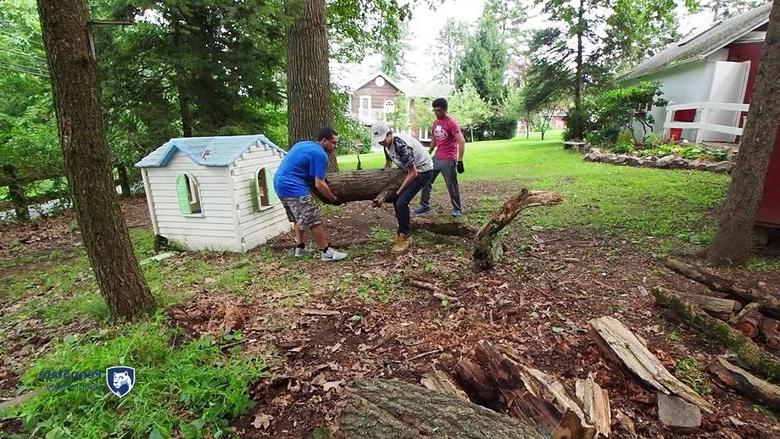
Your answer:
<point x="534" y="396"/>
<point x="488" y="249"/>
<point x="770" y="329"/>
<point x="380" y="409"/>
<point x="595" y="404"/>
<point x="719" y="307"/>
<point x="744" y="382"/>
<point x="748" y="324"/>
<point x="768" y="302"/>
<point x="441" y="382"/>
<point x="626" y="350"/>
<point x="749" y="353"/>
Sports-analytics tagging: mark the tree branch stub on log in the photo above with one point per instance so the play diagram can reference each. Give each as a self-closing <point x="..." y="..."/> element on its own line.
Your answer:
<point x="625" y="349"/>
<point x="382" y="409"/>
<point x="748" y="352"/>
<point x="744" y="382"/>
<point x="487" y="248"/>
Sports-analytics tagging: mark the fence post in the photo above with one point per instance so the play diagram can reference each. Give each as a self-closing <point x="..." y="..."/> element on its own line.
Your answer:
<point x="16" y="193"/>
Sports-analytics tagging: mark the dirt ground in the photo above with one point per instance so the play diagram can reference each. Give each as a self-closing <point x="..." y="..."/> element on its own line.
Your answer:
<point x="538" y="302"/>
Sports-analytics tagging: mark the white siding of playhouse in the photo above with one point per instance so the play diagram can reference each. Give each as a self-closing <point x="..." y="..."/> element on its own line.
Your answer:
<point x="213" y="230"/>
<point x="256" y="227"/>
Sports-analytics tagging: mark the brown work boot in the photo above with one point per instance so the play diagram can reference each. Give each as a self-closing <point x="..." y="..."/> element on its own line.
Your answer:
<point x="401" y="243"/>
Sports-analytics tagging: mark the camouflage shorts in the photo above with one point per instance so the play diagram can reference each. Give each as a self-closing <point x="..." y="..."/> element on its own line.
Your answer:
<point x="302" y="211"/>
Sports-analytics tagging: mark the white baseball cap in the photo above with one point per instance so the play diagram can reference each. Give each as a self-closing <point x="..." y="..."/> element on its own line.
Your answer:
<point x="379" y="131"/>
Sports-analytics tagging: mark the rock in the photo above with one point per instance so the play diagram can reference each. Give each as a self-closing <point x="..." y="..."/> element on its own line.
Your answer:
<point x="649" y="162"/>
<point x="591" y="157"/>
<point x="665" y="162"/>
<point x="634" y="161"/>
<point x="724" y="167"/>
<point x="622" y="158"/>
<point x="676" y="413"/>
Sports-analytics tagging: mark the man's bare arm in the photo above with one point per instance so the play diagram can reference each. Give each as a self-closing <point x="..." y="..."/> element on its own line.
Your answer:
<point x="461" y="145"/>
<point x="323" y="188"/>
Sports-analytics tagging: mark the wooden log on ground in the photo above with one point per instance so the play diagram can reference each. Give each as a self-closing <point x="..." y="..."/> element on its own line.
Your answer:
<point x="749" y="323"/>
<point x="749" y="353"/>
<point x="488" y="249"/>
<point x="595" y="404"/>
<point x="381" y="409"/>
<point x="476" y="382"/>
<point x="533" y="396"/>
<point x="769" y="303"/>
<point x="745" y="383"/>
<point x="439" y="381"/>
<point x="372" y="184"/>
<point x="719" y="307"/>
<point x="628" y="352"/>
<point x="770" y="330"/>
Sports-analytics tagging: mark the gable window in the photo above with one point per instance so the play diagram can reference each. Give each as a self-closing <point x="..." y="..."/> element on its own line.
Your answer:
<point x="263" y="195"/>
<point x="188" y="194"/>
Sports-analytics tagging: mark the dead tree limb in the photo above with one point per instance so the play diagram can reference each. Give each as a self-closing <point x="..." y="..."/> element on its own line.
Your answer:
<point x="488" y="249"/>
<point x="768" y="302"/>
<point x="749" y="353"/>
<point x="745" y="383"/>
<point x="394" y="410"/>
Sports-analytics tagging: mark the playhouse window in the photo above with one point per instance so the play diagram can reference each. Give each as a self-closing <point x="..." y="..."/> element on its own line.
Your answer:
<point x="188" y="194"/>
<point x="263" y="194"/>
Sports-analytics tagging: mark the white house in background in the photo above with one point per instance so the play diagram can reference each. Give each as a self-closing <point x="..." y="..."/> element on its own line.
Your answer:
<point x="373" y="98"/>
<point x="707" y="78"/>
<point x="214" y="193"/>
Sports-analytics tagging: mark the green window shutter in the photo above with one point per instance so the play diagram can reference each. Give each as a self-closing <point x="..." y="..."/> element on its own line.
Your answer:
<point x="269" y="180"/>
<point x="255" y="193"/>
<point x="183" y="193"/>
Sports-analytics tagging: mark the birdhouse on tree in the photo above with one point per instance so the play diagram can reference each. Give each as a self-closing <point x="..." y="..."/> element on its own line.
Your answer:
<point x="214" y="193"/>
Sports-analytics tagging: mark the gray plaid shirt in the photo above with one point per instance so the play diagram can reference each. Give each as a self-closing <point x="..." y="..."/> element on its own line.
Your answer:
<point x="406" y="151"/>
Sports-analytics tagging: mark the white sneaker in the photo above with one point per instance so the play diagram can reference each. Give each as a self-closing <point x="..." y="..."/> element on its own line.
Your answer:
<point x="302" y="252"/>
<point x="332" y="255"/>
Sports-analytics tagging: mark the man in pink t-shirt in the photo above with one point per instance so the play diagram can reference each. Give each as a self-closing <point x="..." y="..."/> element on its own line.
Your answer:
<point x="449" y="144"/>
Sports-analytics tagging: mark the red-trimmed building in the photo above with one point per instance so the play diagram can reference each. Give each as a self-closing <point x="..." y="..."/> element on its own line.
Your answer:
<point x="708" y="79"/>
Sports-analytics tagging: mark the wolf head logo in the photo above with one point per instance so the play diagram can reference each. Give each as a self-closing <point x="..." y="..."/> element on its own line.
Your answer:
<point x="120" y="380"/>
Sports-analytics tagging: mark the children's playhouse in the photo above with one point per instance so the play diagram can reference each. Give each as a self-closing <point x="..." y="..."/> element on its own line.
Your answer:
<point x="214" y="193"/>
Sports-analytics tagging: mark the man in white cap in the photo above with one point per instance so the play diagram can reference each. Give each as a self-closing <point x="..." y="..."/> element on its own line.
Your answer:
<point x="409" y="155"/>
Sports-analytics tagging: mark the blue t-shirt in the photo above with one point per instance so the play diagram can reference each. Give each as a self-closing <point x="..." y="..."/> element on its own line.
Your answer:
<point x="304" y="162"/>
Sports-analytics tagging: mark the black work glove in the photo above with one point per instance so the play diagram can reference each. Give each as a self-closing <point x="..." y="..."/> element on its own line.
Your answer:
<point x="460" y="167"/>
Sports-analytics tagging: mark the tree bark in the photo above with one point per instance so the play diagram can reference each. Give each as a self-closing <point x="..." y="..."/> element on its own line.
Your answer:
<point x="748" y="352"/>
<point x="745" y="382"/>
<point x="308" y="78"/>
<point x="73" y="73"/>
<point x="124" y="180"/>
<point x="395" y="410"/>
<point x="733" y="240"/>
<point x="488" y="249"/>
<point x="578" y="128"/>
<point x="719" y="307"/>
<point x="373" y="184"/>
<point x="16" y="193"/>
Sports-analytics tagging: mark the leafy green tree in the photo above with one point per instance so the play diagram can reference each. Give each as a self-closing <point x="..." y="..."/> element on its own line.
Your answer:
<point x="394" y="55"/>
<point x="469" y="108"/>
<point x="485" y="60"/>
<point x="421" y="114"/>
<point x="448" y="50"/>
<point x="398" y="119"/>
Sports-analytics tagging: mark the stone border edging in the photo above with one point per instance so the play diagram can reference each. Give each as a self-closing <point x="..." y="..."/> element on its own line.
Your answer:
<point x="665" y="162"/>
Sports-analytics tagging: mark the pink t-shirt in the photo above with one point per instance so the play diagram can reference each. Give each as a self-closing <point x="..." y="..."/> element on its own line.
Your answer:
<point x="444" y="131"/>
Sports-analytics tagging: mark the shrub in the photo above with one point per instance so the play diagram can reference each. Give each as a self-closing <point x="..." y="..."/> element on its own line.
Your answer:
<point x="188" y="390"/>
<point x="613" y="110"/>
<point x="499" y="126"/>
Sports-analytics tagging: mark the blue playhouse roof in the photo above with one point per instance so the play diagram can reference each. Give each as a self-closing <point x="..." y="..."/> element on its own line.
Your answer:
<point x="207" y="151"/>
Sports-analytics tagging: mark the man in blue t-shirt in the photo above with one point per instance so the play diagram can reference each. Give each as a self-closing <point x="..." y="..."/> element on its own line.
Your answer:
<point x="303" y="167"/>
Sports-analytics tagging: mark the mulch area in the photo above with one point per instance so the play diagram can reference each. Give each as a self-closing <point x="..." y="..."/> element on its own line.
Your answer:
<point x="537" y="302"/>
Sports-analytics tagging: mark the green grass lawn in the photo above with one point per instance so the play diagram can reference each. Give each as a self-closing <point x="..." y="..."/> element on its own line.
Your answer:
<point x="672" y="207"/>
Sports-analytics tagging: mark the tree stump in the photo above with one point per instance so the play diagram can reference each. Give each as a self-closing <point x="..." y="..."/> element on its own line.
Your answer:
<point x="394" y="410"/>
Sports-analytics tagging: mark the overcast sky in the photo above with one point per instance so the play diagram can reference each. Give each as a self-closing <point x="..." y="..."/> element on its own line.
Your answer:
<point x="426" y="25"/>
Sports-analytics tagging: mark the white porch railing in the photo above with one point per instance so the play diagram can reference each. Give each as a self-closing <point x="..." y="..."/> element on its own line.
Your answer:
<point x="702" y="110"/>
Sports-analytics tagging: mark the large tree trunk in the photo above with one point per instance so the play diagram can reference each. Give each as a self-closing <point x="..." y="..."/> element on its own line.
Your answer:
<point x="395" y="410"/>
<point x="124" y="180"/>
<point x="577" y="126"/>
<point x="16" y="193"/>
<point x="73" y="73"/>
<point x="308" y="77"/>
<point x="733" y="239"/>
<point x="373" y="184"/>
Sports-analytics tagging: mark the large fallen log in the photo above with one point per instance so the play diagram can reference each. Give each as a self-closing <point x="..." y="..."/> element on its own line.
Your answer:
<point x="487" y="248"/>
<point x="749" y="353"/>
<point x="745" y="383"/>
<point x="768" y="302"/>
<point x="372" y="184"/>
<point x="719" y="307"/>
<point x="394" y="410"/>
<point x="627" y="351"/>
